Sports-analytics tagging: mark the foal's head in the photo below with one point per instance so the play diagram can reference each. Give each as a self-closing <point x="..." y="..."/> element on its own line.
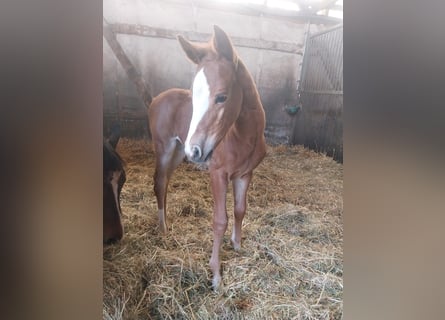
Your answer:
<point x="217" y="96"/>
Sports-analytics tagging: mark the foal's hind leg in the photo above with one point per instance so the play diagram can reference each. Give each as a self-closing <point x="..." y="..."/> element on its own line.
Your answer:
<point x="240" y="186"/>
<point x="166" y="163"/>
<point x="160" y="188"/>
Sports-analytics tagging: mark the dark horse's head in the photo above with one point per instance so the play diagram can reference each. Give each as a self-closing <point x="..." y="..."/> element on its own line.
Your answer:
<point x="216" y="94"/>
<point x="113" y="180"/>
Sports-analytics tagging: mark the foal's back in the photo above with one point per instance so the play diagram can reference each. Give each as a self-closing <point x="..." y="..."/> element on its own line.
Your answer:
<point x="169" y="116"/>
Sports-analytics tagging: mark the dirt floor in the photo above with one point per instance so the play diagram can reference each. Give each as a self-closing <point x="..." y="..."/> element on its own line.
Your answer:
<point x="291" y="262"/>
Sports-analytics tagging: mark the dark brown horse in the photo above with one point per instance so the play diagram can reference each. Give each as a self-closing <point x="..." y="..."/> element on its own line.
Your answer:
<point x="113" y="181"/>
<point x="219" y="122"/>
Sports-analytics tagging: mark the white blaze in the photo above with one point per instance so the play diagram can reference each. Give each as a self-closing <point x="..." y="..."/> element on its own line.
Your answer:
<point x="114" y="185"/>
<point x="200" y="99"/>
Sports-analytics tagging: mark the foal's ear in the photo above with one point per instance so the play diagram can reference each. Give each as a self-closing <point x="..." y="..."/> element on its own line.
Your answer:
<point x="192" y="51"/>
<point x="115" y="134"/>
<point x="223" y="45"/>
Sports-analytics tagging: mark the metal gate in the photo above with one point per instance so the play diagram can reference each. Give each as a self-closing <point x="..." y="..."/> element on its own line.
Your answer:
<point x="319" y="124"/>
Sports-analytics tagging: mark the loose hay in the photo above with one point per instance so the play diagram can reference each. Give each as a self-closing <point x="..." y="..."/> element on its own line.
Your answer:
<point x="290" y="265"/>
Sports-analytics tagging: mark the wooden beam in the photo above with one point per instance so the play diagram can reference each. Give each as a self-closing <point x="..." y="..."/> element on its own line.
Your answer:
<point x="312" y="8"/>
<point x="252" y="9"/>
<point x="141" y="86"/>
<point x="147" y="31"/>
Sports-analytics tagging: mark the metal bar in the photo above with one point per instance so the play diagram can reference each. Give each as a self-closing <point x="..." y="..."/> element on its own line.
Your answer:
<point x="339" y="60"/>
<point x="304" y="60"/>
<point x="327" y="30"/>
<point x="320" y="70"/>
<point x="323" y="92"/>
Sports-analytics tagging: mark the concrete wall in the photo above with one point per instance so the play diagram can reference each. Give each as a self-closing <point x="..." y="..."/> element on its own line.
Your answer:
<point x="163" y="64"/>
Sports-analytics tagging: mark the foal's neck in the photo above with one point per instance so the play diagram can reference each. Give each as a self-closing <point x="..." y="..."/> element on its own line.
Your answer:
<point x="251" y="98"/>
<point x="251" y="104"/>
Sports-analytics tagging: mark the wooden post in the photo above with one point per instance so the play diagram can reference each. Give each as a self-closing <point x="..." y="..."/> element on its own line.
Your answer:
<point x="141" y="86"/>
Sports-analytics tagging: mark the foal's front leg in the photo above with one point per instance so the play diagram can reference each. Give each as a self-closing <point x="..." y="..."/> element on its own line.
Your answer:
<point x="219" y="183"/>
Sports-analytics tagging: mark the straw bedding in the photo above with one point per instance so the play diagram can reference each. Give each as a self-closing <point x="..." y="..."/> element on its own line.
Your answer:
<point x="291" y="262"/>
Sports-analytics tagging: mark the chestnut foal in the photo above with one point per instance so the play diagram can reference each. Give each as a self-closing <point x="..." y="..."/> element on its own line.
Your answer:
<point x="219" y="122"/>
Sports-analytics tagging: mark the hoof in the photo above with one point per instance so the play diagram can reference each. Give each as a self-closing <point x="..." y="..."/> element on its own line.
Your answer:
<point x="216" y="283"/>
<point x="163" y="229"/>
<point x="162" y="221"/>
<point x="236" y="245"/>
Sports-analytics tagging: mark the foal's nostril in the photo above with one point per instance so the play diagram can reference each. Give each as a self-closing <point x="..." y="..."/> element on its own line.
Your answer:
<point x="196" y="152"/>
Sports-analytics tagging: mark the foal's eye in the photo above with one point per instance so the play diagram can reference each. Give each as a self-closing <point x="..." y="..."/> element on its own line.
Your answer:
<point x="221" y="98"/>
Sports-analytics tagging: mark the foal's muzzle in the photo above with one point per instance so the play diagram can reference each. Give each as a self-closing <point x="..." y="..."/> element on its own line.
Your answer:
<point x="197" y="155"/>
